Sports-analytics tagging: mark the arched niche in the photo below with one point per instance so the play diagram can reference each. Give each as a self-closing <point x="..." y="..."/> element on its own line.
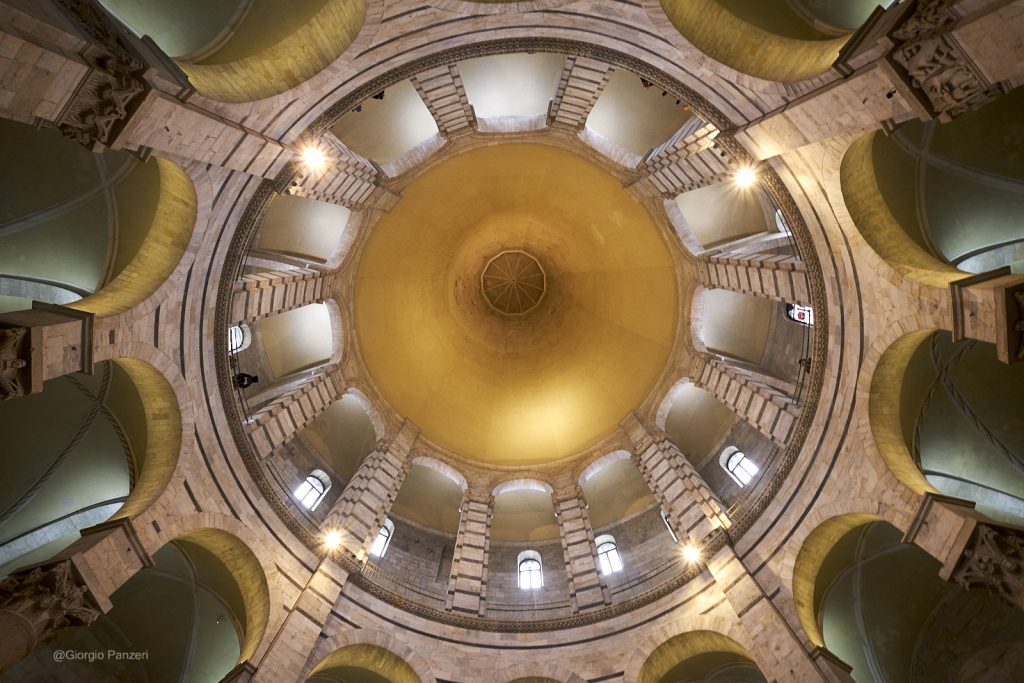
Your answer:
<point x="957" y="427"/>
<point x="733" y="324"/>
<point x="296" y="340"/>
<point x="698" y="657"/>
<point x="99" y="232"/>
<point x="343" y="435"/>
<point x="198" y="611"/>
<point x="245" y="50"/>
<point x="88" y="449"/>
<point x="721" y="216"/>
<point x="431" y="496"/>
<point x="937" y="200"/>
<point x="306" y="229"/>
<point x="511" y="88"/>
<point x="878" y="604"/>
<point x="365" y="663"/>
<point x="614" y="489"/>
<point x="762" y="38"/>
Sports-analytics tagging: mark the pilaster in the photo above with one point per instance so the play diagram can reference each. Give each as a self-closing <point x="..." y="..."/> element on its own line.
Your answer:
<point x="467" y="584"/>
<point x="260" y="295"/>
<point x="763" y="407"/>
<point x="770" y="276"/>
<point x="989" y="307"/>
<point x="281" y="419"/>
<point x="442" y="91"/>
<point x="587" y="590"/>
<point x="581" y="84"/>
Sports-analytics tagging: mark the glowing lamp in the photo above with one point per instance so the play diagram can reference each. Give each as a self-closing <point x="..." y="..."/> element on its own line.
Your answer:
<point x="746" y="176"/>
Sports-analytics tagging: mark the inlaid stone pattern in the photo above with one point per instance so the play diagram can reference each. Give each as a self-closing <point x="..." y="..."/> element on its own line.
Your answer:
<point x="513" y="282"/>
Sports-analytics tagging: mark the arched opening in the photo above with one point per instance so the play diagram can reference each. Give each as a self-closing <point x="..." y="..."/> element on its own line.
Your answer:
<point x="524" y="522"/>
<point x="770" y="39"/>
<point x="936" y="207"/>
<point x="98" y="232"/>
<point x="88" y="448"/>
<point x="361" y="663"/>
<point x="728" y="217"/>
<point x="304" y="231"/>
<point x="609" y="561"/>
<point x="382" y="541"/>
<point x="245" y="50"/>
<point x="740" y="467"/>
<point x="313" y="489"/>
<point x="294" y="341"/>
<point x="879" y="605"/>
<point x="699" y="657"/>
<point x="213" y="602"/>
<point x="511" y="92"/>
<point x="621" y="508"/>
<point x="957" y="429"/>
<point x="530" y="570"/>
<point x="421" y="538"/>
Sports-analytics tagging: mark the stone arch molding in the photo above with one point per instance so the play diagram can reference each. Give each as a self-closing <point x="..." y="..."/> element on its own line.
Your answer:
<point x="247" y="556"/>
<point x="697" y="635"/>
<point x="536" y="671"/>
<point x="369" y="644"/>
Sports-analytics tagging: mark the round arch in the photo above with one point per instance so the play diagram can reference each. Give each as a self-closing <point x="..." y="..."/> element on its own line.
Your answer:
<point x="375" y="651"/>
<point x="685" y="646"/>
<point x="809" y="560"/>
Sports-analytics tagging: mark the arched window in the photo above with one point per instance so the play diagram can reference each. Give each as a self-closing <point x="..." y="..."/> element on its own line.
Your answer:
<point x="800" y="314"/>
<point x="780" y="221"/>
<point x="239" y="338"/>
<point x="741" y="468"/>
<point x="608" y="557"/>
<point x="671" y="531"/>
<point x="383" y="540"/>
<point x="312" y="491"/>
<point x="531" y="574"/>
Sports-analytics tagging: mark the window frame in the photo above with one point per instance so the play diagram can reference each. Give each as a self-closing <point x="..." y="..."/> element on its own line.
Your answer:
<point x="535" y="575"/>
<point x="609" y="559"/>
<point x="733" y="460"/>
<point x="387" y="532"/>
<point x="316" y="482"/>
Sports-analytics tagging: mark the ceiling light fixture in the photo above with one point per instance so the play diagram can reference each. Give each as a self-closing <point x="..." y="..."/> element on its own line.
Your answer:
<point x="313" y="158"/>
<point x="691" y="553"/>
<point x="332" y="540"/>
<point x="745" y="176"/>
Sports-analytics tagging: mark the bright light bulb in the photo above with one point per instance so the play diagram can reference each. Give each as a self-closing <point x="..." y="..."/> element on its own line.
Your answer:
<point x="746" y="176"/>
<point x="313" y="158"/>
<point x="332" y="540"/>
<point x="691" y="553"/>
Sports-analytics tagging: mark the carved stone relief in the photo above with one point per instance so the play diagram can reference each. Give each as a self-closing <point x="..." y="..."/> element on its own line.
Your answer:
<point x="994" y="561"/>
<point x="13" y="362"/>
<point x="47" y="600"/>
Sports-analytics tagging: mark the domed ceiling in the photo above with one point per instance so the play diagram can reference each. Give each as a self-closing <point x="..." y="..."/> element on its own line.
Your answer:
<point x="516" y="304"/>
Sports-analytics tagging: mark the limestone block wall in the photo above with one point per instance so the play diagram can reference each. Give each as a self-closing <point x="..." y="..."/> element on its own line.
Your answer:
<point x="649" y="555"/>
<point x="418" y="560"/>
<point x="505" y="600"/>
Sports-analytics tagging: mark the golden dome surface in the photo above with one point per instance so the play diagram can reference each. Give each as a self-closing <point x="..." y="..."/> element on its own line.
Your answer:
<point x="554" y="379"/>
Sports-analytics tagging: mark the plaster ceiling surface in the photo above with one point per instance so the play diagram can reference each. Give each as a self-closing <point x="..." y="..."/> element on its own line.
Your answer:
<point x="531" y="388"/>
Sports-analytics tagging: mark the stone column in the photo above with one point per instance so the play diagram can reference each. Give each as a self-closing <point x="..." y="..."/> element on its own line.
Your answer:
<point x="929" y="59"/>
<point x="442" y="91"/>
<point x="582" y="82"/>
<point x="281" y="419"/>
<point x="286" y="656"/>
<point x="72" y="589"/>
<point x="770" y="276"/>
<point x="989" y="307"/>
<point x="689" y="160"/>
<point x="44" y="342"/>
<point x="691" y="508"/>
<point x="360" y="510"/>
<point x="260" y="295"/>
<point x="467" y="584"/>
<point x="763" y="407"/>
<point x="587" y="590"/>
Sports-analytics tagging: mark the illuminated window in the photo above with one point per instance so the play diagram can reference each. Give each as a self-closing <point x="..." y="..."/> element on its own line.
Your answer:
<point x="741" y="468"/>
<point x="671" y="531"/>
<point x="239" y="338"/>
<point x="312" y="491"/>
<point x="383" y="540"/>
<point x="780" y="221"/>
<point x="531" y="575"/>
<point x="801" y="314"/>
<point x="608" y="557"/>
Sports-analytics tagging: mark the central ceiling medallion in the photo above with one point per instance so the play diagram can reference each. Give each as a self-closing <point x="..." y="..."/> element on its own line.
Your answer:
<point x="513" y="282"/>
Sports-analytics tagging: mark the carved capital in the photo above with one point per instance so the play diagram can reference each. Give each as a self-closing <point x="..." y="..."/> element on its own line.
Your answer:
<point x="938" y="69"/>
<point x="48" y="599"/>
<point x="14" y="362"/>
<point x="994" y="561"/>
